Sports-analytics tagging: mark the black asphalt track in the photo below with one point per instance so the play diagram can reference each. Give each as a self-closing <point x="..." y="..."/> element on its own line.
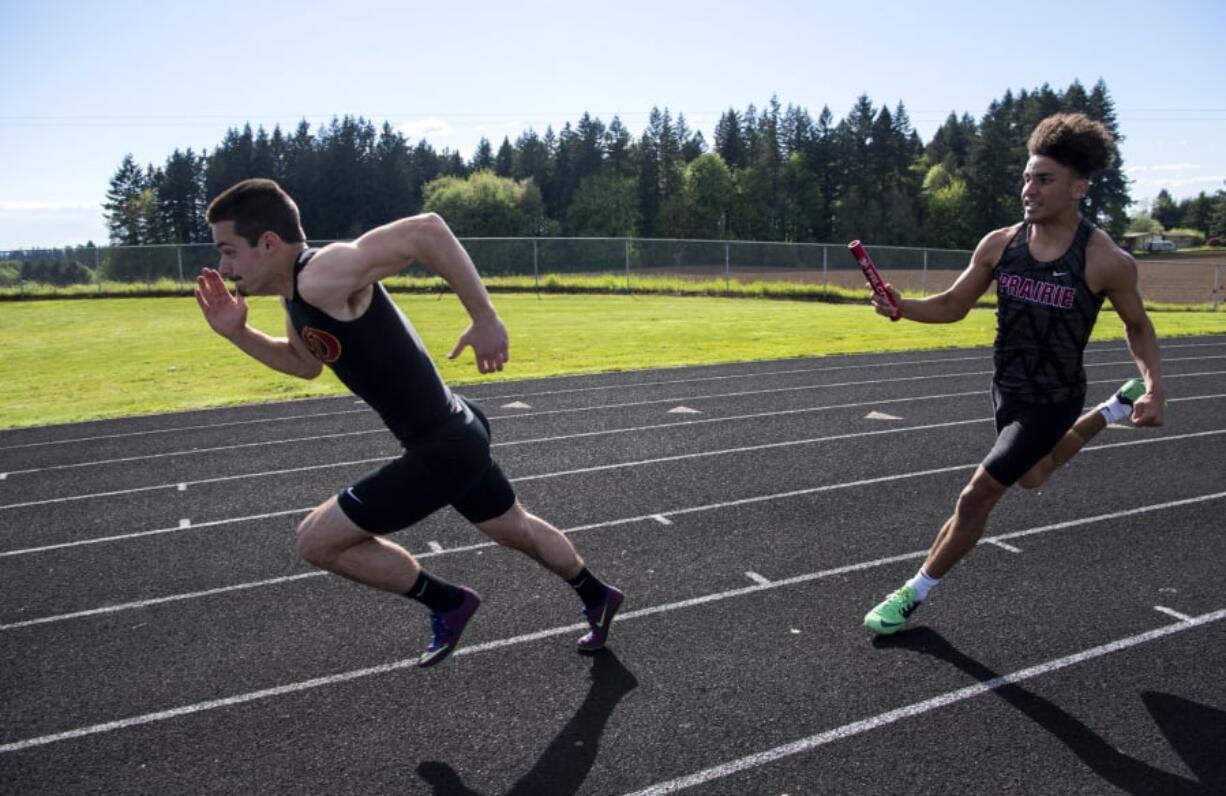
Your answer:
<point x="159" y="635"/>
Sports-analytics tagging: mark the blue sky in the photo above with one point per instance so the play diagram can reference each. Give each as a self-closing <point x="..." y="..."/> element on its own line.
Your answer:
<point x="86" y="82"/>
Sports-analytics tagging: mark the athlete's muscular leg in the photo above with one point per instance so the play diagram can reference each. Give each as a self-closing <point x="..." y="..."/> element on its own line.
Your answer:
<point x="961" y="532"/>
<point x="1084" y="430"/>
<point x="329" y="540"/>
<point x="531" y="535"/>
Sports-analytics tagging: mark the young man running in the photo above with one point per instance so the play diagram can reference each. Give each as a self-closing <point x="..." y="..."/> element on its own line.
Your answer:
<point x="339" y="315"/>
<point x="1052" y="272"/>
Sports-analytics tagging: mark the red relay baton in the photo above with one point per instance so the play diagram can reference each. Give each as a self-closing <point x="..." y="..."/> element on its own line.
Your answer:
<point x="874" y="278"/>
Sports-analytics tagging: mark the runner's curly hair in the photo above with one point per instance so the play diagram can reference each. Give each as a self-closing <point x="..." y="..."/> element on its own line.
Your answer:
<point x="1074" y="140"/>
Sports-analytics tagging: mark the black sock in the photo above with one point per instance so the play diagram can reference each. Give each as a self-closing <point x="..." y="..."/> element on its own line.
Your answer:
<point x="435" y="593"/>
<point x="590" y="588"/>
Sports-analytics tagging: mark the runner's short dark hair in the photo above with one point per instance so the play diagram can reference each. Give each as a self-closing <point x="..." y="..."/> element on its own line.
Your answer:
<point x="1074" y="140"/>
<point x="257" y="206"/>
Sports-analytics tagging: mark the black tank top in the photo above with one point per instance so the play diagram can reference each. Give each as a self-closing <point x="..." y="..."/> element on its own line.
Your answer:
<point x="1045" y="313"/>
<point x="380" y="358"/>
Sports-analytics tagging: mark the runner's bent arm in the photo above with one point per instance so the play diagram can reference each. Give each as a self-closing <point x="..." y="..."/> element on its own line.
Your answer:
<point x="344" y="269"/>
<point x="227" y="315"/>
<point x="1116" y="271"/>
<point x="953" y="304"/>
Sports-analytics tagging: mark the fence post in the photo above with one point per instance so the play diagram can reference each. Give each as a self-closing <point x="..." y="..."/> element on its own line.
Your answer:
<point x="1217" y="286"/>
<point x="627" y="265"/>
<point x="924" y="278"/>
<point x="97" y="270"/>
<point x="825" y="255"/>
<point x="727" y="266"/>
<point x="179" y="253"/>
<point x="536" y="272"/>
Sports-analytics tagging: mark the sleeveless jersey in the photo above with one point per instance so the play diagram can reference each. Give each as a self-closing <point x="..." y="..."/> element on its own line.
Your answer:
<point x="380" y="358"/>
<point x="1045" y="313"/>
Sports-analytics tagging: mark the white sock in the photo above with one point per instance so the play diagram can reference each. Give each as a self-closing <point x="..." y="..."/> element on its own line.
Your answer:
<point x="922" y="583"/>
<point x="1114" y="410"/>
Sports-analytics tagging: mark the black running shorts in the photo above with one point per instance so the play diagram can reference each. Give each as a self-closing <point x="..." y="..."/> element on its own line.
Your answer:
<point x="450" y="466"/>
<point x="1025" y="433"/>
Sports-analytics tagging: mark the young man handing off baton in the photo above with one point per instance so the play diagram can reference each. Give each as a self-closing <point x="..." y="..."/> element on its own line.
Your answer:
<point x="1052" y="272"/>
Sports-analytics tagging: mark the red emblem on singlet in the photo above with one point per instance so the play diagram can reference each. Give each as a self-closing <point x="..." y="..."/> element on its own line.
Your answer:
<point x="324" y="347"/>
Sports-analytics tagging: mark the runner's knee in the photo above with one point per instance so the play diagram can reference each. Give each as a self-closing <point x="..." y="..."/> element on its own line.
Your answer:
<point x="979" y="496"/>
<point x="511" y="529"/>
<point x="1035" y="477"/>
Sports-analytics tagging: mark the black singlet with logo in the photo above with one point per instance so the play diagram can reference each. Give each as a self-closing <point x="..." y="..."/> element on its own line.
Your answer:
<point x="1045" y="313"/>
<point x="380" y="358"/>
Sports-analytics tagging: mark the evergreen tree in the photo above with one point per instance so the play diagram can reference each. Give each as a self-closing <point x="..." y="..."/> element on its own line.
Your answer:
<point x="1165" y="211"/>
<point x="391" y="185"/>
<point x="505" y="159"/>
<point x="1107" y="201"/>
<point x="123" y="204"/>
<point x="619" y="145"/>
<point x="181" y="200"/>
<point x="730" y="140"/>
<point x="823" y="159"/>
<point x="993" y="178"/>
<point x="483" y="158"/>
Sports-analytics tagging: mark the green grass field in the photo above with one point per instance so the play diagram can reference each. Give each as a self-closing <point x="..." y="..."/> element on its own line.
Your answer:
<point x="76" y="360"/>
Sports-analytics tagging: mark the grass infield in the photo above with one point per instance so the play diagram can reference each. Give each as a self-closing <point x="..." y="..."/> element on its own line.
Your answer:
<point x="73" y="360"/>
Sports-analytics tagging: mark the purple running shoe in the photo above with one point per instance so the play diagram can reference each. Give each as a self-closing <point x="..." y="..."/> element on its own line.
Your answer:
<point x="447" y="626"/>
<point x="600" y="618"/>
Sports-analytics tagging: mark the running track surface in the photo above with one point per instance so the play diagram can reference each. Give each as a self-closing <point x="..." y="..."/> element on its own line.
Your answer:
<point x="159" y="635"/>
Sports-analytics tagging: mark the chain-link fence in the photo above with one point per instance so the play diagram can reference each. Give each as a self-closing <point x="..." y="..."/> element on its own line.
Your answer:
<point x="1192" y="279"/>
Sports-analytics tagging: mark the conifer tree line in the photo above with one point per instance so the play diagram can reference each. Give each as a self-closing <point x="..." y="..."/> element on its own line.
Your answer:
<point x="770" y="174"/>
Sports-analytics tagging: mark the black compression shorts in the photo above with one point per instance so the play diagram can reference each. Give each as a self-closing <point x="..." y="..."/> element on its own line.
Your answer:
<point x="449" y="466"/>
<point x="1025" y="433"/>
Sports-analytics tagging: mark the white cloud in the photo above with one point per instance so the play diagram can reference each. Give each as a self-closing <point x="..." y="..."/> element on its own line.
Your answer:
<point x="1180" y="182"/>
<point x="65" y="206"/>
<point x="1163" y="167"/>
<point x="432" y="127"/>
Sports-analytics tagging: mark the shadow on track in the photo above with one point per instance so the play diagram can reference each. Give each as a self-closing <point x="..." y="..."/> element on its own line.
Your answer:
<point x="570" y="756"/>
<point x="1195" y="731"/>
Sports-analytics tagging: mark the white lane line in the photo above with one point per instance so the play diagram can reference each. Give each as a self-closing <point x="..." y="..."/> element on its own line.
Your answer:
<point x="619" y="465"/>
<point x="619" y="386"/>
<point x="179" y="429"/>
<point x="918" y="554"/>
<point x="805" y="387"/>
<point x="170" y="598"/>
<point x="815" y="440"/>
<point x="994" y="541"/>
<point x="435" y="547"/>
<point x="342" y="677"/>
<point x="883" y="479"/>
<point x="660" y="518"/>
<point x="563" y="437"/>
<point x="533" y="440"/>
<point x="1172" y="612"/>
<point x="920" y="708"/>
<point x="123" y="537"/>
<point x="198" y="451"/>
<point x="627" y="386"/>
<point x="758" y="579"/>
<point x="1115" y="515"/>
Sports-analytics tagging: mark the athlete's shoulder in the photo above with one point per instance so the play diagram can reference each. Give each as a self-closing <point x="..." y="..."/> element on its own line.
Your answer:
<point x="1104" y="252"/>
<point x="992" y="245"/>
<point x="1108" y="267"/>
<point x="327" y="280"/>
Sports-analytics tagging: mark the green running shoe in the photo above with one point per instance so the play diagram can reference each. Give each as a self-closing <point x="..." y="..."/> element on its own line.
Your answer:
<point x="892" y="613"/>
<point x="1131" y="391"/>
